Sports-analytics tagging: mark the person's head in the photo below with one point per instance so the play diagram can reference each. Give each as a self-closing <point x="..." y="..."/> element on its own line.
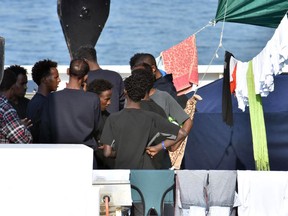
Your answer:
<point x="7" y="85"/>
<point x="103" y="88"/>
<point x="45" y="73"/>
<point x="145" y="73"/>
<point x="21" y="83"/>
<point x="86" y="52"/>
<point x="78" y="70"/>
<point x="140" y="58"/>
<point x="135" y="87"/>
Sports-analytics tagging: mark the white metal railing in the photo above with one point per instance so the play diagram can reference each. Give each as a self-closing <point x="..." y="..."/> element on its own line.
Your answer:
<point x="207" y="74"/>
<point x="214" y="72"/>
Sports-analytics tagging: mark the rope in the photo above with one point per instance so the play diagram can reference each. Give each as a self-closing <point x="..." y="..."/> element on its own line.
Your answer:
<point x="220" y="45"/>
<point x="210" y="23"/>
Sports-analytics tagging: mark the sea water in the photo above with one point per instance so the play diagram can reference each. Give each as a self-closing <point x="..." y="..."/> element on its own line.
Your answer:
<point x="32" y="31"/>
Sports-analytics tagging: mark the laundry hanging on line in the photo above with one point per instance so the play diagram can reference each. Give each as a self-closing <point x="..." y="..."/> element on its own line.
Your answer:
<point x="181" y="61"/>
<point x="267" y="64"/>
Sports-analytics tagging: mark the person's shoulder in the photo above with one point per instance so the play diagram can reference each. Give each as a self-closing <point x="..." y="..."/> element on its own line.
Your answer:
<point x="111" y="72"/>
<point x="130" y="111"/>
<point x="7" y="109"/>
<point x="5" y="106"/>
<point x="153" y="116"/>
<point x="56" y="93"/>
<point x="91" y="97"/>
<point x="105" y="73"/>
<point x="113" y="117"/>
<point x="168" y="78"/>
<point x="37" y="98"/>
<point x="148" y="113"/>
<point x="83" y="94"/>
<point x="162" y="93"/>
<point x="24" y="100"/>
<point x="63" y="94"/>
<point x="4" y="101"/>
<point x="165" y="82"/>
<point x="90" y="94"/>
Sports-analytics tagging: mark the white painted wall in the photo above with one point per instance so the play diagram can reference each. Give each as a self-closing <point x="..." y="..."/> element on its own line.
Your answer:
<point x="51" y="179"/>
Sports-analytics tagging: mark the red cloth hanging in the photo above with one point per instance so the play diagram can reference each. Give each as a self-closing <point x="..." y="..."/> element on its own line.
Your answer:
<point x="181" y="61"/>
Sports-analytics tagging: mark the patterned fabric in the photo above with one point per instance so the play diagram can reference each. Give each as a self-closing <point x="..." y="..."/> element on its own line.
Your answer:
<point x="181" y="61"/>
<point x="177" y="156"/>
<point x="12" y="131"/>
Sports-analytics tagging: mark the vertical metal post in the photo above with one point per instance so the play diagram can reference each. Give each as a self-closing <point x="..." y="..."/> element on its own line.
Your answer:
<point x="2" y="44"/>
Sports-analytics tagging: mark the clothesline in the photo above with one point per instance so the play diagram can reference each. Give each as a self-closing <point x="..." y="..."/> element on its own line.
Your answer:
<point x="220" y="45"/>
<point x="184" y="70"/>
<point x="191" y="70"/>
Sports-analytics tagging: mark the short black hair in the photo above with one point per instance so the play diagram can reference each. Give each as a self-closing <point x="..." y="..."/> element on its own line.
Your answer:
<point x="139" y="58"/>
<point x="8" y="80"/>
<point x="99" y="85"/>
<point x="87" y="52"/>
<point x="17" y="69"/>
<point x="78" y="68"/>
<point x="135" y="87"/>
<point x="147" y="76"/>
<point x="42" y="69"/>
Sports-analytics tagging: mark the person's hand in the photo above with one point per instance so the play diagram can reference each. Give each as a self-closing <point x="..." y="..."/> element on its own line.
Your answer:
<point x="27" y="122"/>
<point x="153" y="150"/>
<point x="101" y="147"/>
<point x="197" y="97"/>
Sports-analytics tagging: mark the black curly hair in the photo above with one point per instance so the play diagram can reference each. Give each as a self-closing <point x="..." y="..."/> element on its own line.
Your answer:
<point x="42" y="69"/>
<point x="99" y="85"/>
<point x="145" y="74"/>
<point x="135" y="87"/>
<point x="139" y="58"/>
<point x="17" y="69"/>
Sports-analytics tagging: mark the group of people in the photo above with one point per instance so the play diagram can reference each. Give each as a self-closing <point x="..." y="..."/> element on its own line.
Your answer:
<point x="124" y="122"/>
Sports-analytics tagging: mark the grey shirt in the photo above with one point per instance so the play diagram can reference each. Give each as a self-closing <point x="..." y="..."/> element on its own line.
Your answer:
<point x="170" y="106"/>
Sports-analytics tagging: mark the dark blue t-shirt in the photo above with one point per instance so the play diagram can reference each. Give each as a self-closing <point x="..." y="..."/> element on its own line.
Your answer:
<point x="70" y="116"/>
<point x="34" y="111"/>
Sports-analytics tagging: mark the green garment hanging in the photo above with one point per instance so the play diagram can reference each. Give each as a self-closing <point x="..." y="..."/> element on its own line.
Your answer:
<point x="257" y="124"/>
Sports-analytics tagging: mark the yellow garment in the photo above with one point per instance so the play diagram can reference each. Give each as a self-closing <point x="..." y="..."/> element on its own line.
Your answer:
<point x="257" y="124"/>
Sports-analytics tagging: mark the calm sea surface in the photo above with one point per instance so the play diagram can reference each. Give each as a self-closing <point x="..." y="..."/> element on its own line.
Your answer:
<point x="32" y="31"/>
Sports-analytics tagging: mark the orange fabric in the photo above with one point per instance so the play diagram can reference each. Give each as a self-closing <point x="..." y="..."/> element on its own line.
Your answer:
<point x="181" y="61"/>
<point x="233" y="83"/>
